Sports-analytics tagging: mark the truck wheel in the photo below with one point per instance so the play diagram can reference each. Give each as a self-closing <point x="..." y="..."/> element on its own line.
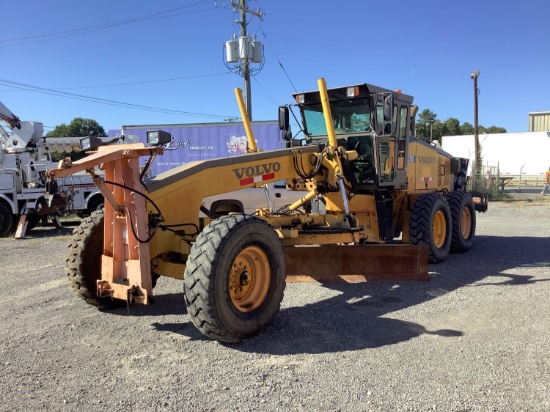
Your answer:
<point x="463" y="215"/>
<point x="96" y="204"/>
<point x="235" y="278"/>
<point x="7" y="220"/>
<point x="83" y="261"/>
<point x="32" y="220"/>
<point x="430" y="225"/>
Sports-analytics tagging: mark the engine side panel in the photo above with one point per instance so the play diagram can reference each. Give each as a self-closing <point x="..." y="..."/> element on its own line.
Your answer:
<point x="429" y="168"/>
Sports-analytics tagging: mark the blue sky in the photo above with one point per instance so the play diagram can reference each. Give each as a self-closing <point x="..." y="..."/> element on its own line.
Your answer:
<point x="426" y="48"/>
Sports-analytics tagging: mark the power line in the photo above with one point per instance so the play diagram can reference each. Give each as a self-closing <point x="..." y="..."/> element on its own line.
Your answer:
<point x="265" y="91"/>
<point x="89" y="29"/>
<point x="144" y="81"/>
<point x="131" y="83"/>
<point x="98" y="100"/>
<point x="277" y="57"/>
<point x="104" y="25"/>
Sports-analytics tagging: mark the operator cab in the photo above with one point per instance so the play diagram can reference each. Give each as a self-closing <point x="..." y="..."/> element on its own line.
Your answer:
<point x="371" y="120"/>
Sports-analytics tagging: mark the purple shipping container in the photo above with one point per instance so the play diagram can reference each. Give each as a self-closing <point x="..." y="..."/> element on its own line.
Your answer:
<point x="203" y="141"/>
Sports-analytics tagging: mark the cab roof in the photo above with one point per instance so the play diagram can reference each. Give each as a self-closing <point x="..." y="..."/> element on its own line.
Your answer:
<point x="340" y="93"/>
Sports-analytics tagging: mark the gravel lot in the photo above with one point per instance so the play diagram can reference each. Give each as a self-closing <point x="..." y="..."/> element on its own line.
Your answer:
<point x="474" y="338"/>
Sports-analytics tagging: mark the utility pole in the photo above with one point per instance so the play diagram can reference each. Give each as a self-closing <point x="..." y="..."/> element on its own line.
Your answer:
<point x="246" y="64"/>
<point x="477" y="165"/>
<point x="249" y="51"/>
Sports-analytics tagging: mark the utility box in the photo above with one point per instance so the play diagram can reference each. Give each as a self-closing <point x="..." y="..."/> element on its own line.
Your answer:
<point x="245" y="47"/>
<point x="257" y="51"/>
<point x="231" y="51"/>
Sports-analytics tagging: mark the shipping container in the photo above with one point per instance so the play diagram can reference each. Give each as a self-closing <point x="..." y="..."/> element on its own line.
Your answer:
<point x="203" y="141"/>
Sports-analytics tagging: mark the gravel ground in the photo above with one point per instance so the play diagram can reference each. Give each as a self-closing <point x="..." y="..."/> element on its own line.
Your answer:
<point x="475" y="337"/>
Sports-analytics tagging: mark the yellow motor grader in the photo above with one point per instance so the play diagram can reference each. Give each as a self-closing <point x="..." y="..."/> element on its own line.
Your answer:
<point x="371" y="186"/>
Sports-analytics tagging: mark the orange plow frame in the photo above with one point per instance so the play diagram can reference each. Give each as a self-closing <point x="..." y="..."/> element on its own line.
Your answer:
<point x="125" y="263"/>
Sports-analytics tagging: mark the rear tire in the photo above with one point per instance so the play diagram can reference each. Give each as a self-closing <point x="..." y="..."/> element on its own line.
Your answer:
<point x="430" y="225"/>
<point x="7" y="220"/>
<point x="235" y="278"/>
<point x="83" y="261"/>
<point x="32" y="220"/>
<point x="463" y="216"/>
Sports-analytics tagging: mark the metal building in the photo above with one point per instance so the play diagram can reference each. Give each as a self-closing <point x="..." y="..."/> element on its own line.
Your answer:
<point x="539" y="121"/>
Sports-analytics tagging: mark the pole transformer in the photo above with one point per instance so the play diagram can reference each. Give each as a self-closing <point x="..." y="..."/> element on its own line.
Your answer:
<point x="244" y="52"/>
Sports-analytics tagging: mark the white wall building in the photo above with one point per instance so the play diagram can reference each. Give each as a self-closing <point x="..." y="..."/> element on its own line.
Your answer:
<point x="525" y="153"/>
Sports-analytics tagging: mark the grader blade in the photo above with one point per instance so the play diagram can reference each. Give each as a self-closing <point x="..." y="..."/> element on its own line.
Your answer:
<point x="357" y="263"/>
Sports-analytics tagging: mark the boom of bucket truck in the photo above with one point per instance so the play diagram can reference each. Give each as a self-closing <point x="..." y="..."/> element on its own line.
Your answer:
<point x="368" y="181"/>
<point x="26" y="194"/>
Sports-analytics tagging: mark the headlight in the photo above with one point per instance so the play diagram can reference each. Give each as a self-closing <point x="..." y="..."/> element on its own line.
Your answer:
<point x="90" y="143"/>
<point x="158" y="137"/>
<point x="85" y="143"/>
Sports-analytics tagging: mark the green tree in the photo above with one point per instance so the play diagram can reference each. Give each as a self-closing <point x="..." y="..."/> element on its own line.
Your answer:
<point x="428" y="127"/>
<point x="424" y="125"/>
<point x="79" y="127"/>
<point x="452" y="126"/>
<point x="466" y="128"/>
<point x="438" y="129"/>
<point x="495" y="129"/>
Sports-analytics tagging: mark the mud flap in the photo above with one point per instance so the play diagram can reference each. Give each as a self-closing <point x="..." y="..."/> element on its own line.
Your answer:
<point x="481" y="203"/>
<point x="357" y="263"/>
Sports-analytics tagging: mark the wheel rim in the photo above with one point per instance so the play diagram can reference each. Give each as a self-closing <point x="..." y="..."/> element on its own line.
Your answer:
<point x="439" y="229"/>
<point x="466" y="223"/>
<point x="249" y="279"/>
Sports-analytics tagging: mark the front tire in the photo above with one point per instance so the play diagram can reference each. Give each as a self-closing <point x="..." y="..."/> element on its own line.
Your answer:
<point x="430" y="225"/>
<point x="235" y="278"/>
<point x="463" y="215"/>
<point x="83" y="261"/>
<point x="7" y="220"/>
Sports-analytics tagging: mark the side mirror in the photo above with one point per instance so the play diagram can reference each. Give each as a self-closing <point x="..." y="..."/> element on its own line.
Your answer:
<point x="284" y="122"/>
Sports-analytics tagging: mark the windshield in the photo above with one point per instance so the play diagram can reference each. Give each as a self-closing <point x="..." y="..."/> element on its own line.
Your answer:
<point x="348" y="116"/>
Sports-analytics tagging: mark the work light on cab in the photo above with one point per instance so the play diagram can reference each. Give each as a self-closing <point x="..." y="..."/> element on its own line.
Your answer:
<point x="352" y="91"/>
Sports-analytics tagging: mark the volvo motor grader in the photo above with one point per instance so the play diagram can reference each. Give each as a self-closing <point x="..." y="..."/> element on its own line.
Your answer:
<point x="368" y="182"/>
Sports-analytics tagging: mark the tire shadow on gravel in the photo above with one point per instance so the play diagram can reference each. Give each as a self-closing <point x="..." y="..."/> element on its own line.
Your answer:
<point x="355" y="319"/>
<point x="352" y="320"/>
<point x="50" y="231"/>
<point x="162" y="305"/>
